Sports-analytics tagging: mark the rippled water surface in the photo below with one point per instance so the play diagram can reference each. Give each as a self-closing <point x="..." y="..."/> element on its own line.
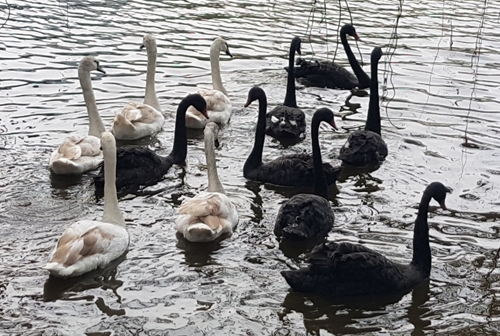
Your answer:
<point x="439" y="80"/>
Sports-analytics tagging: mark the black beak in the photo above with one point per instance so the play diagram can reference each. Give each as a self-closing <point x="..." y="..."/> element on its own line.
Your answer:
<point x="299" y="52"/>
<point x="217" y="143"/>
<point x="101" y="70"/>
<point x="142" y="46"/>
<point x="228" y="53"/>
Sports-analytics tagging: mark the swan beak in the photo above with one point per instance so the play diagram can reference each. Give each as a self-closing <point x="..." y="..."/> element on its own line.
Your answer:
<point x="299" y="52"/>
<point x="205" y="113"/>
<point x="356" y="37"/>
<point x="443" y="206"/>
<point x="333" y="125"/>
<point x="216" y="143"/>
<point x="228" y="53"/>
<point x="248" y="103"/>
<point x="100" y="69"/>
<point x="142" y="46"/>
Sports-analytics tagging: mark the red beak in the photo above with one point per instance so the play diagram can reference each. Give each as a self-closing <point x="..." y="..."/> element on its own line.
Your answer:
<point x="205" y="113"/>
<point x="333" y="125"/>
<point x="356" y="37"/>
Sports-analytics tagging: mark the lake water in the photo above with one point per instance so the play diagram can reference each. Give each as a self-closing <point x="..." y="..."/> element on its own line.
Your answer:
<point x="440" y="83"/>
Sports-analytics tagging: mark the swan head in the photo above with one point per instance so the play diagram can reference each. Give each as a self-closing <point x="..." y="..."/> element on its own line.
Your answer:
<point x="198" y="102"/>
<point x="108" y="144"/>
<point x="295" y="45"/>
<point x="376" y="54"/>
<point x="90" y="63"/>
<point x="148" y="42"/>
<point x="212" y="129"/>
<point x="254" y="94"/>
<point x="221" y="45"/>
<point x="326" y="115"/>
<point x="350" y="30"/>
<point x="438" y="191"/>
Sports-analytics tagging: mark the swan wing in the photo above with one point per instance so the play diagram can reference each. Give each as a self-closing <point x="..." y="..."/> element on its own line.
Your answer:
<point x="207" y="204"/>
<point x="87" y="245"/>
<point x="216" y="100"/>
<point x="363" y="147"/>
<point x="138" y="112"/>
<point x="353" y="262"/>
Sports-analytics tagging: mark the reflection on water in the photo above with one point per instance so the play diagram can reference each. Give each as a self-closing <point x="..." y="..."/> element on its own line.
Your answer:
<point x="439" y="83"/>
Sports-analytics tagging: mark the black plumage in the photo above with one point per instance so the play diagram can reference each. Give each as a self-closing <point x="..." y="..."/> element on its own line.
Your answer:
<point x="287" y="121"/>
<point x="306" y="216"/>
<point x="290" y="170"/>
<point x="138" y="167"/>
<point x="330" y="74"/>
<point x="366" y="147"/>
<point x="345" y="269"/>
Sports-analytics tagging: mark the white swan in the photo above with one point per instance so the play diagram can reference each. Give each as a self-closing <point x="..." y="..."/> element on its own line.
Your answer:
<point x="138" y="120"/>
<point x="87" y="245"/>
<point x="218" y="104"/>
<point x="211" y="213"/>
<point x="79" y="153"/>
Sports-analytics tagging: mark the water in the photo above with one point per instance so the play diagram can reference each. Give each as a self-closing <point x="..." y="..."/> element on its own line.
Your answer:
<point x="441" y="81"/>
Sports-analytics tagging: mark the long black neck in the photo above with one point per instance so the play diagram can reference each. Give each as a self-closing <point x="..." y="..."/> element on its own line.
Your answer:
<point x="373" y="118"/>
<point x="255" y="158"/>
<point x="320" y="185"/>
<point x="421" y="248"/>
<point x="363" y="78"/>
<point x="290" y="99"/>
<point x="179" y="151"/>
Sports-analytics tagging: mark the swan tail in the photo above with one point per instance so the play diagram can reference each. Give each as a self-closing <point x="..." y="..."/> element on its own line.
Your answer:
<point x="200" y="232"/>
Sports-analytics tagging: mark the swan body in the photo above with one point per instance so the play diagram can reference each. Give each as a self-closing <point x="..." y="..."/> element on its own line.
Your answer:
<point x="87" y="245"/>
<point x="78" y="153"/>
<point x="345" y="269"/>
<point x="306" y="216"/>
<point x="287" y="121"/>
<point x="138" y="120"/>
<point x="293" y="170"/>
<point x="211" y="213"/>
<point x="366" y="147"/>
<point x="330" y="74"/>
<point x="139" y="167"/>
<point x="219" y="106"/>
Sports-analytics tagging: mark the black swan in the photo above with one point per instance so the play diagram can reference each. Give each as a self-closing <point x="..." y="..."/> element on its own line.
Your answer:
<point x="294" y="170"/>
<point x="366" y="147"/>
<point x="332" y="75"/>
<point x="287" y="121"/>
<point x="345" y="269"/>
<point x="307" y="216"/>
<point x="140" y="166"/>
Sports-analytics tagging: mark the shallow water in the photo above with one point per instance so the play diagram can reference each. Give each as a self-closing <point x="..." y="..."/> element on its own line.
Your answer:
<point x="441" y="81"/>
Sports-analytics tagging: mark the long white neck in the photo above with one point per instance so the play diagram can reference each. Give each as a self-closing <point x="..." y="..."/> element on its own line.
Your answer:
<point x="96" y="126"/>
<point x="112" y="213"/>
<point x="150" y="97"/>
<point x="215" y="67"/>
<point x="214" y="184"/>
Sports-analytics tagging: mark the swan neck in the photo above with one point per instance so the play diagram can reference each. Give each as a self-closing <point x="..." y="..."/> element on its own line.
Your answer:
<point x="215" y="69"/>
<point x="363" y="78"/>
<point x="150" y="97"/>
<point x="290" y="98"/>
<point x="96" y="126"/>
<point x="373" y="118"/>
<point x="112" y="213"/>
<point x="255" y="158"/>
<point x="179" y="150"/>
<point x="421" y="248"/>
<point x="320" y="185"/>
<point x="214" y="184"/>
